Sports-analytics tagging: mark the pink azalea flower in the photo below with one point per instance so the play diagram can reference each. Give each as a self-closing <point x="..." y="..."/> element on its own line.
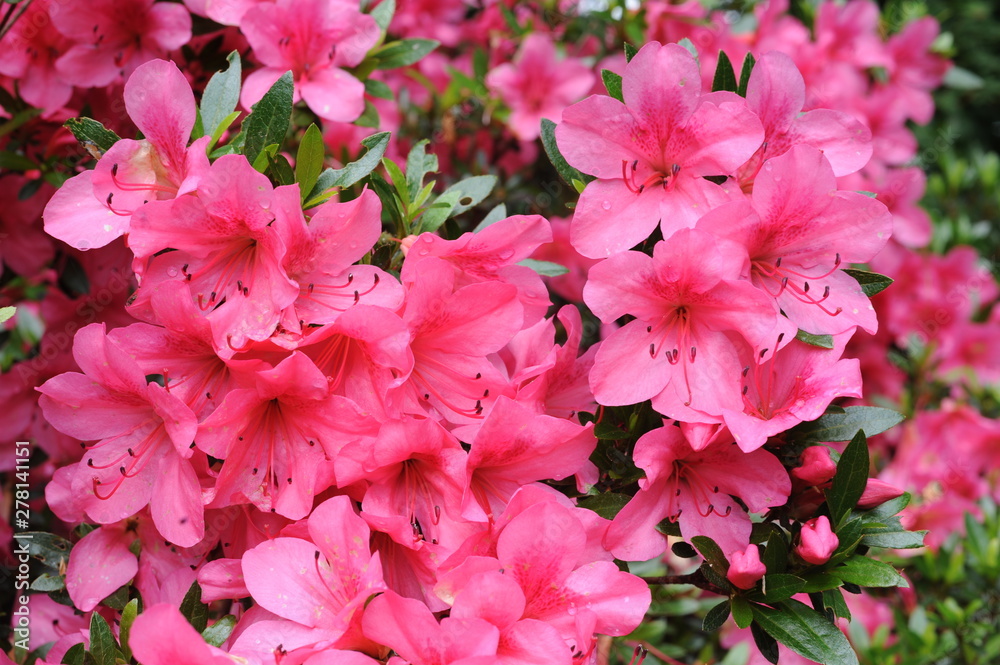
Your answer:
<point x="651" y="153"/>
<point x="537" y="85"/>
<point x="793" y="384"/>
<point x="817" y="467"/>
<point x="900" y="189"/>
<point x="876" y="493"/>
<point x="695" y="489"/>
<point x="800" y="232"/>
<point x="162" y="636"/>
<point x="143" y="439"/>
<point x="100" y="563"/>
<point x="26" y="248"/>
<point x="561" y="251"/>
<point x="30" y="54"/>
<point x="231" y="247"/>
<point x="316" y="40"/>
<point x="320" y="584"/>
<point x="113" y="37"/>
<point x="95" y="207"/>
<point x="691" y="314"/>
<point x="914" y="69"/>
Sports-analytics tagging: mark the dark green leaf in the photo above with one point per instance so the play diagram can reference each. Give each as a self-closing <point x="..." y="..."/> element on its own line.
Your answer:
<point x="378" y="89"/>
<point x="613" y="84"/>
<point x="712" y="553"/>
<point x="766" y="644"/>
<point x="383" y="13"/>
<point x="630" y="52"/>
<point x="195" y="611"/>
<point x="398" y="180"/>
<point x="103" y="647"/>
<point x="605" y="504"/>
<point x="779" y="586"/>
<point x="886" y="510"/>
<point x="219" y="632"/>
<point x="748" y="62"/>
<point x="472" y="191"/>
<point x="742" y="614"/>
<point x="75" y="655"/>
<point x="843" y="426"/>
<point x="118" y="599"/>
<point x="897" y="540"/>
<point x="864" y="571"/>
<point x="609" y="431"/>
<point x="775" y="556"/>
<point x="48" y="548"/>
<point x="725" y="76"/>
<point x="353" y="172"/>
<point x="566" y="172"/>
<point x="822" y="341"/>
<point x="269" y="119"/>
<point x="806" y="632"/>
<point x="11" y="161"/>
<point x="716" y="617"/>
<point x="221" y="94"/>
<point x="820" y="582"/>
<point x="369" y="117"/>
<point x="849" y="483"/>
<point x="834" y="599"/>
<point x="92" y="135"/>
<point x="849" y="535"/>
<point x="871" y="282"/>
<point x="404" y="52"/>
<point x="125" y="626"/>
<point x="544" y="268"/>
<point x="309" y="159"/>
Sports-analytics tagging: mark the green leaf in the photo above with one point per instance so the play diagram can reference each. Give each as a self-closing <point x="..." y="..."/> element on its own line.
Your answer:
<point x="219" y="632"/>
<point x="103" y="647"/>
<point x="418" y="165"/>
<point x="742" y="614"/>
<point x="605" y="504"/>
<point x="886" y="510"/>
<point x="690" y="47"/>
<point x="309" y="159"/>
<point x="817" y="582"/>
<point x="712" y="552"/>
<point x="403" y="52"/>
<point x="613" y="83"/>
<point x="378" y="89"/>
<point x="46" y="583"/>
<point x="492" y="217"/>
<point x="822" y="341"/>
<point x="849" y="535"/>
<point x="850" y="480"/>
<point x="118" y="598"/>
<point x="725" y="76"/>
<point x="843" y="426"/>
<point x="398" y="180"/>
<point x="959" y="78"/>
<point x="75" y="655"/>
<point x="438" y="212"/>
<point x="748" y="62"/>
<point x="195" y="611"/>
<point x="472" y="191"/>
<point x="897" y="539"/>
<point x="383" y="13"/>
<point x="775" y="556"/>
<point x="221" y="94"/>
<point x="544" y="268"/>
<point x="353" y="172"/>
<point x="780" y="587"/>
<point x="263" y="160"/>
<point x="716" y="617"/>
<point x="834" y="599"/>
<point x="806" y="632"/>
<point x="92" y="135"/>
<point x="630" y="52"/>
<point x="608" y="431"/>
<point x="369" y="117"/>
<point x="125" y="626"/>
<point x="566" y="172"/>
<point x="50" y="549"/>
<point x="871" y="282"/>
<point x="7" y="312"/>
<point x="11" y="161"/>
<point x="220" y="130"/>
<point x="269" y="118"/>
<point x="865" y="571"/>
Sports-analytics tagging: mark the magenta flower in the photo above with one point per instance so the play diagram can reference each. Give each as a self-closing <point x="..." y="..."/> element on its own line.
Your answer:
<point x="695" y="488"/>
<point x="143" y="435"/>
<point x="162" y="636"/>
<point x="316" y="40"/>
<point x="537" y="85"/>
<point x="100" y="563"/>
<point x="801" y="231"/>
<point x="650" y="154"/>
<point x="691" y="316"/>
<point x="817" y="541"/>
<point x="113" y="37"/>
<point x="30" y="55"/>
<point x="745" y="568"/>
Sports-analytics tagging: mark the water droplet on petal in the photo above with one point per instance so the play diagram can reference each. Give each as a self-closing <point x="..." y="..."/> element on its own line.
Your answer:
<point x="172" y="272"/>
<point x="606" y="205"/>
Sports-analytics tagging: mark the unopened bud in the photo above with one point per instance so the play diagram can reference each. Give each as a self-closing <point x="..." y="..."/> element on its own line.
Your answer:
<point x="876" y="493"/>
<point x="817" y="541"/>
<point x="817" y="467"/>
<point x="745" y="568"/>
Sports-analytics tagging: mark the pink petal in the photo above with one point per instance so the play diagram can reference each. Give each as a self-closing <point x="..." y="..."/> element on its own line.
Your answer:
<point x="99" y="564"/>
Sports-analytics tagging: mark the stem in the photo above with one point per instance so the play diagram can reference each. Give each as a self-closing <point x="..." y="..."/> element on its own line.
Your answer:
<point x="8" y="22"/>
<point x="694" y="579"/>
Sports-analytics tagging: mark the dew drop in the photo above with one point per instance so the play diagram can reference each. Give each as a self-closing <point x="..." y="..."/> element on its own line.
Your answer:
<point x="606" y="205"/>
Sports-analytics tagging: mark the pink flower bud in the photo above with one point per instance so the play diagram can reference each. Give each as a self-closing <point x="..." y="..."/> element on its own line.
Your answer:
<point x="406" y="243"/>
<point x="745" y="568"/>
<point x="817" y="541"/>
<point x="877" y="492"/>
<point x="817" y="467"/>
